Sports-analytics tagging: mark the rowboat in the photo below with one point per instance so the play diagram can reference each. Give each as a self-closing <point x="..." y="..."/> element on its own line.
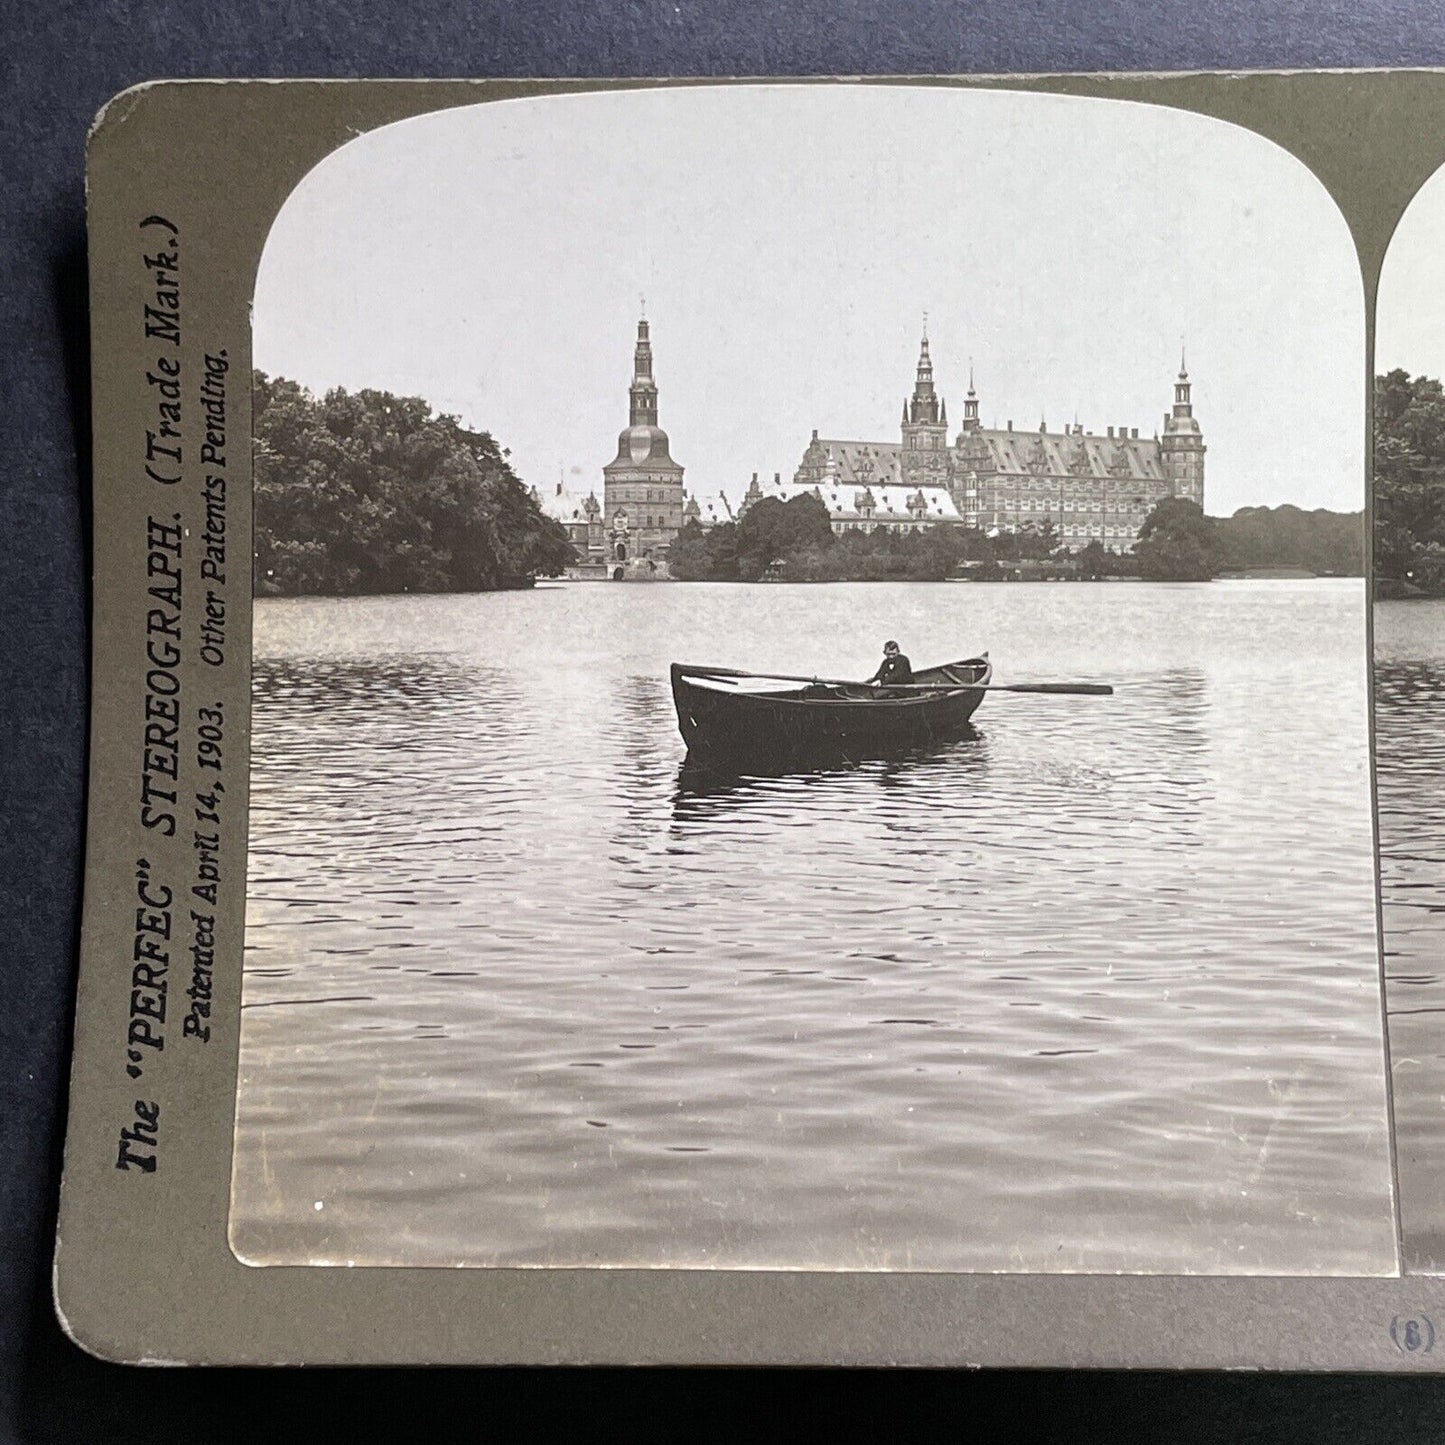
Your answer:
<point x="726" y="714"/>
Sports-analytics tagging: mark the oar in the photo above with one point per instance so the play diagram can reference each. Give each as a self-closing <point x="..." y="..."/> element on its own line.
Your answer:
<point x="1070" y="689"/>
<point x="1076" y="689"/>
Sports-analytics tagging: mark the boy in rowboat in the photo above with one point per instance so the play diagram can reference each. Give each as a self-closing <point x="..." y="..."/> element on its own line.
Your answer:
<point x="894" y="669"/>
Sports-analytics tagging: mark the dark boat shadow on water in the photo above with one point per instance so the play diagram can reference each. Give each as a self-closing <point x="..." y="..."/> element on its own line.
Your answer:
<point x="707" y="788"/>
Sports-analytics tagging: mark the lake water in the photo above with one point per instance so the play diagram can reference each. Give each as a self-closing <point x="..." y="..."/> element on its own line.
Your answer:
<point x="1095" y="988"/>
<point x="1410" y="752"/>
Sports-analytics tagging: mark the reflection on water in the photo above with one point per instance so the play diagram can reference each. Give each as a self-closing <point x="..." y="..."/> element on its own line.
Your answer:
<point x="1410" y="773"/>
<point x="707" y="780"/>
<point x="1091" y="988"/>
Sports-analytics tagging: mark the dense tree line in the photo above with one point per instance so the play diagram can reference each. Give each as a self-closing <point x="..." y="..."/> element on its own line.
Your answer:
<point x="1179" y="543"/>
<point x="793" y="541"/>
<point x="1409" y="485"/>
<point x="1328" y="543"/>
<point x="366" y="492"/>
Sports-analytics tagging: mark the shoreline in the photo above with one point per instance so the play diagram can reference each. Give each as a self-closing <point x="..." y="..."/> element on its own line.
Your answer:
<point x="552" y="584"/>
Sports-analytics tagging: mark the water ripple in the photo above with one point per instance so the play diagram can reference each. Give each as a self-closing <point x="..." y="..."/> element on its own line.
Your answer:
<point x="1091" y="988"/>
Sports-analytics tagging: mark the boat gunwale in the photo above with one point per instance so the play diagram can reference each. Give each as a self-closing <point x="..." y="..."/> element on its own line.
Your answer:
<point x="794" y="696"/>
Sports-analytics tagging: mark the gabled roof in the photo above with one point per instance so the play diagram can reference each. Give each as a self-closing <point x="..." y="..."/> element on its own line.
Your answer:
<point x="1060" y="453"/>
<point x="711" y="507"/>
<point x="865" y="462"/>
<point x="848" y="501"/>
<point x="1021" y="453"/>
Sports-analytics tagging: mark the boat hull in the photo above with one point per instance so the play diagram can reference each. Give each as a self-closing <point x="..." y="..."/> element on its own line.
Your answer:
<point x="824" y="722"/>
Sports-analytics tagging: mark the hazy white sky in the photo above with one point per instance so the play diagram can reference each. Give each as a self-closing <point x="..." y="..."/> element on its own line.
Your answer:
<point x="788" y="240"/>
<point x="1410" y="308"/>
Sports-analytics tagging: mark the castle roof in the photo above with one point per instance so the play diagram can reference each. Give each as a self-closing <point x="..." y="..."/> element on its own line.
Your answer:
<point x="866" y="463"/>
<point x="711" y="507"/>
<point x="1019" y="452"/>
<point x="643" y="445"/>
<point x="847" y="501"/>
<point x="1072" y="453"/>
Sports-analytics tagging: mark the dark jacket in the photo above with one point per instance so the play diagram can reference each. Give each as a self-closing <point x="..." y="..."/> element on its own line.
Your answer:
<point x="894" y="670"/>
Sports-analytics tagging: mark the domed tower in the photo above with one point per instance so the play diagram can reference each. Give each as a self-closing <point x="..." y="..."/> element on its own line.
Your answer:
<point x="642" y="492"/>
<point x="925" y="427"/>
<point x="1181" y="446"/>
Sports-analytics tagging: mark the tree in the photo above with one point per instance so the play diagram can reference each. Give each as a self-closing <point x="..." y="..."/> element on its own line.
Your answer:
<point x="772" y="530"/>
<point x="1094" y="560"/>
<point x="688" y="558"/>
<point x="368" y="492"/>
<point x="1177" y="543"/>
<point x="1005" y="546"/>
<point x="1038" y="541"/>
<point x="975" y="544"/>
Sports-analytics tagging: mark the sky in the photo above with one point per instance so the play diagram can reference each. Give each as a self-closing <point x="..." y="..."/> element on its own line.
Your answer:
<point x="789" y="240"/>
<point x="1410" y="307"/>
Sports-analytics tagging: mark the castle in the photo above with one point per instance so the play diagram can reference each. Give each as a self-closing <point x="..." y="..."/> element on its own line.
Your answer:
<point x="626" y="537"/>
<point x="1086" y="487"/>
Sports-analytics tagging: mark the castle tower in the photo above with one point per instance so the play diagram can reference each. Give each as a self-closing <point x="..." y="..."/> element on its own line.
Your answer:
<point x="642" y="485"/>
<point x="1181" y="445"/>
<point x="970" y="405"/>
<point x="925" y="427"/>
<point x="971" y="461"/>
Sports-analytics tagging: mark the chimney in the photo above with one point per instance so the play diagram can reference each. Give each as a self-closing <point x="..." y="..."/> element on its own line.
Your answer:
<point x="777" y="479"/>
<point x="1010" y="426"/>
<point x="1111" y="433"/>
<point x="1133" y="433"/>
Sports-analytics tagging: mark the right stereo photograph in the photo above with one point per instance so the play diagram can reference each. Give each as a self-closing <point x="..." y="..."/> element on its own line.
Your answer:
<point x="1409" y="653"/>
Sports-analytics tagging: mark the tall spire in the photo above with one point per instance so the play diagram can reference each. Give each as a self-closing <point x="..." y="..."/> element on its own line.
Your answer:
<point x="1182" y="405"/>
<point x="970" y="403"/>
<point x="924" y="378"/>
<point x="643" y="391"/>
<point x="923" y="408"/>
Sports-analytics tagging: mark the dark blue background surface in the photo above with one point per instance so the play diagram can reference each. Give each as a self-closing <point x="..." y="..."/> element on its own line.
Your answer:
<point x="62" y="62"/>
